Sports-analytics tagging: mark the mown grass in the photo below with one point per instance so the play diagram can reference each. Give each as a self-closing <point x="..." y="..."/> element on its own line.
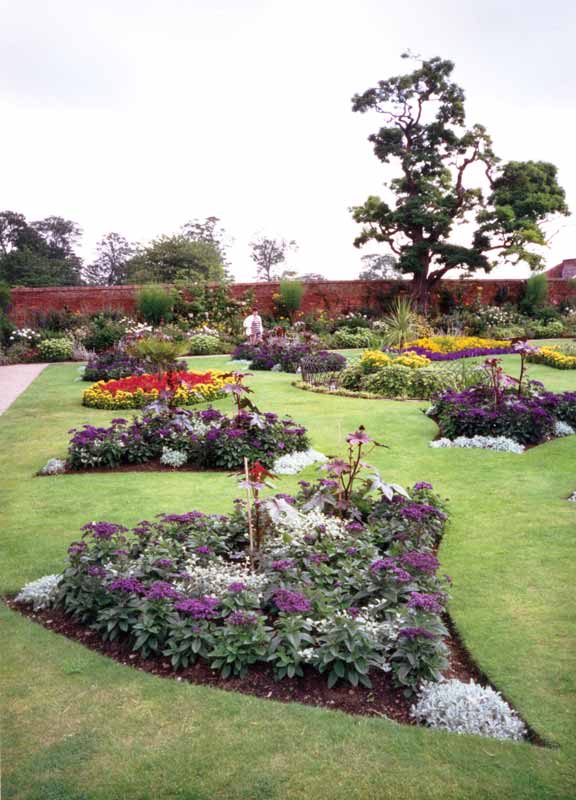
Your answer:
<point x="77" y="725"/>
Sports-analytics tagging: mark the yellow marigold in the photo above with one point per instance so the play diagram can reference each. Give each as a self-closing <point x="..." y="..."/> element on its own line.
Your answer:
<point x="412" y="360"/>
<point x="372" y="360"/>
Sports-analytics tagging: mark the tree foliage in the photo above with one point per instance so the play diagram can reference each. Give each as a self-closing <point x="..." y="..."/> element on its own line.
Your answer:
<point x="40" y="253"/>
<point x="169" y="259"/>
<point x="378" y="267"/>
<point x="209" y="231"/>
<point x="113" y="252"/>
<point x="267" y="253"/>
<point x="449" y="176"/>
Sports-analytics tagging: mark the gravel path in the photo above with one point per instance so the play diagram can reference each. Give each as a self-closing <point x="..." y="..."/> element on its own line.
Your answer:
<point x="14" y="379"/>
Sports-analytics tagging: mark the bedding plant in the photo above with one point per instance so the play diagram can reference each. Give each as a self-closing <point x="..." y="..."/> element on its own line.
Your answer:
<point x="137" y="391"/>
<point x="117" y="363"/>
<point x="341" y="579"/>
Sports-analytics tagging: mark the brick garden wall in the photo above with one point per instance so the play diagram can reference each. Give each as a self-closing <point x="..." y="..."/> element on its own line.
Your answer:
<point x="334" y="297"/>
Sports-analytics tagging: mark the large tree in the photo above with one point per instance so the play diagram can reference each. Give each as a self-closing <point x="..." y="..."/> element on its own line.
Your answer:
<point x="268" y="253"/>
<point x="210" y="231"/>
<point x="39" y="253"/>
<point x="379" y="267"/>
<point x="113" y="252"/>
<point x="175" y="258"/>
<point x="448" y="178"/>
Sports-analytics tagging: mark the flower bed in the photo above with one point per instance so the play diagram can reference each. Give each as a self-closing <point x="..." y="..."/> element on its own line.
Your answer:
<point x="554" y="357"/>
<point x="282" y="353"/>
<point x="528" y="419"/>
<point x="118" y="364"/>
<point x="341" y="580"/>
<point x="206" y="439"/>
<point x="138" y="391"/>
<point x="452" y="348"/>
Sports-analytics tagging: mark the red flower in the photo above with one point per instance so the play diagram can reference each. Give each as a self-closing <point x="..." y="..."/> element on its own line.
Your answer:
<point x="163" y="383"/>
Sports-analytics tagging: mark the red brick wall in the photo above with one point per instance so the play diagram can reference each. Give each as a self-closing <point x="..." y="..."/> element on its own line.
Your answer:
<point x="334" y="297"/>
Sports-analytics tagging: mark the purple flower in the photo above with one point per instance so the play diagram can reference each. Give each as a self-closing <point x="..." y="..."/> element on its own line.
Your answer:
<point x="416" y="633"/>
<point x="127" y="585"/>
<point x="160" y="590"/>
<point x="422" y="485"/>
<point x="236" y="586"/>
<point x="103" y="530"/>
<point x="318" y="558"/>
<point x="353" y="612"/>
<point x="199" y="608"/>
<point x="242" y="618"/>
<point x="425" y="602"/>
<point x="204" y="550"/>
<point x="283" y="564"/>
<point x="120" y="553"/>
<point x="97" y="572"/>
<point x="77" y="548"/>
<point x="423" y="562"/>
<point x="359" y="437"/>
<point x="354" y="527"/>
<point x="382" y="563"/>
<point x="291" y="602"/>
<point x="163" y="563"/>
<point x="351" y="551"/>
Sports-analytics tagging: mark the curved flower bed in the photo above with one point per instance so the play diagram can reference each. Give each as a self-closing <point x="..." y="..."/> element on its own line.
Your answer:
<point x="202" y="439"/>
<point x="138" y="391"/>
<point x="452" y="348"/>
<point x="527" y="419"/>
<point x="345" y="592"/>
<point x="553" y="357"/>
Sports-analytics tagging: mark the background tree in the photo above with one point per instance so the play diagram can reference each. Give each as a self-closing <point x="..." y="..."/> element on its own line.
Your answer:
<point x="40" y="253"/>
<point x="267" y="253"/>
<point x="379" y="267"/>
<point x="310" y="277"/>
<point x="113" y="251"/>
<point x="444" y="171"/>
<point x="175" y="258"/>
<point x="210" y="231"/>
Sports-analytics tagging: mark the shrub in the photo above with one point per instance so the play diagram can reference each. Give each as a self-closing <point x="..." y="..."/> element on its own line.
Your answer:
<point x="290" y="297"/>
<point x="159" y="352"/>
<point x="401" y="324"/>
<point x="154" y="304"/>
<point x="5" y="297"/>
<point x="350" y="339"/>
<point x="322" y="368"/>
<point x="393" y="381"/>
<point x="281" y="353"/>
<point x="102" y="333"/>
<point x="55" y="350"/>
<point x="467" y="708"/>
<point x="203" y="344"/>
<point x="535" y="293"/>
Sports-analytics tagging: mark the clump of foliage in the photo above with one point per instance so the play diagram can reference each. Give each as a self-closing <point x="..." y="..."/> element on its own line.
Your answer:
<point x="282" y="353"/>
<point x="55" y="350"/>
<point x="118" y="364"/>
<point x="203" y="344"/>
<point x="467" y="708"/>
<point x="209" y="439"/>
<point x="154" y="304"/>
<point x="289" y="298"/>
<point x="341" y="579"/>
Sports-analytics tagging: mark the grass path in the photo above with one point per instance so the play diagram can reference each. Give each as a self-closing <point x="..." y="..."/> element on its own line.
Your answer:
<point x="80" y="727"/>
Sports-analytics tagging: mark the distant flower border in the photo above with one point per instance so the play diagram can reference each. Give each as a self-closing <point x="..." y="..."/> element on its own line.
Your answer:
<point x="138" y="391"/>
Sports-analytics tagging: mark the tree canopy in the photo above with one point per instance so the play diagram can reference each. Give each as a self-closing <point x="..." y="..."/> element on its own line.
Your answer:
<point x="40" y="253"/>
<point x="169" y="259"/>
<point x="449" y="176"/>
<point x="268" y="253"/>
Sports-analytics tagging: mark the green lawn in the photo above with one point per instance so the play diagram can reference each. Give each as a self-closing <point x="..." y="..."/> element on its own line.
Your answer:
<point x="76" y="725"/>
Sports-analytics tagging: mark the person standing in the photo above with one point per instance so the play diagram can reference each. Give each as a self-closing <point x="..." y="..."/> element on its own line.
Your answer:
<point x="253" y="327"/>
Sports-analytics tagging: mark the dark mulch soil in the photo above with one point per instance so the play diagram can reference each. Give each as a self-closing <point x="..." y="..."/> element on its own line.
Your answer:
<point x="383" y="700"/>
<point x="148" y="466"/>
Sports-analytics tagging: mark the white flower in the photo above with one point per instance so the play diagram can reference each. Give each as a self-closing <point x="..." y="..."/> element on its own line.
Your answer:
<point x="292" y="463"/>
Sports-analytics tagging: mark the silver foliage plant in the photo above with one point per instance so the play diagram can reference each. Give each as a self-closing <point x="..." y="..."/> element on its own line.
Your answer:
<point x="173" y="458"/>
<point x="501" y="444"/>
<point x="55" y="466"/>
<point x="40" y="593"/>
<point x="292" y="463"/>
<point x="563" y="428"/>
<point x="467" y="708"/>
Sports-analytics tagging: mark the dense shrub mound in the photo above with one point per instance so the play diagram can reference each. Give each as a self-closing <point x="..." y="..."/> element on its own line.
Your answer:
<point x="337" y="580"/>
<point x="529" y="418"/>
<point x="203" y="439"/>
<point x="118" y="364"/>
<point x="137" y="391"/>
<point x="282" y="353"/>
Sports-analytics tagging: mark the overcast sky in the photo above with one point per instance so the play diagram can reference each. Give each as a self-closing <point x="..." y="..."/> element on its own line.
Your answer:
<point x="138" y="115"/>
